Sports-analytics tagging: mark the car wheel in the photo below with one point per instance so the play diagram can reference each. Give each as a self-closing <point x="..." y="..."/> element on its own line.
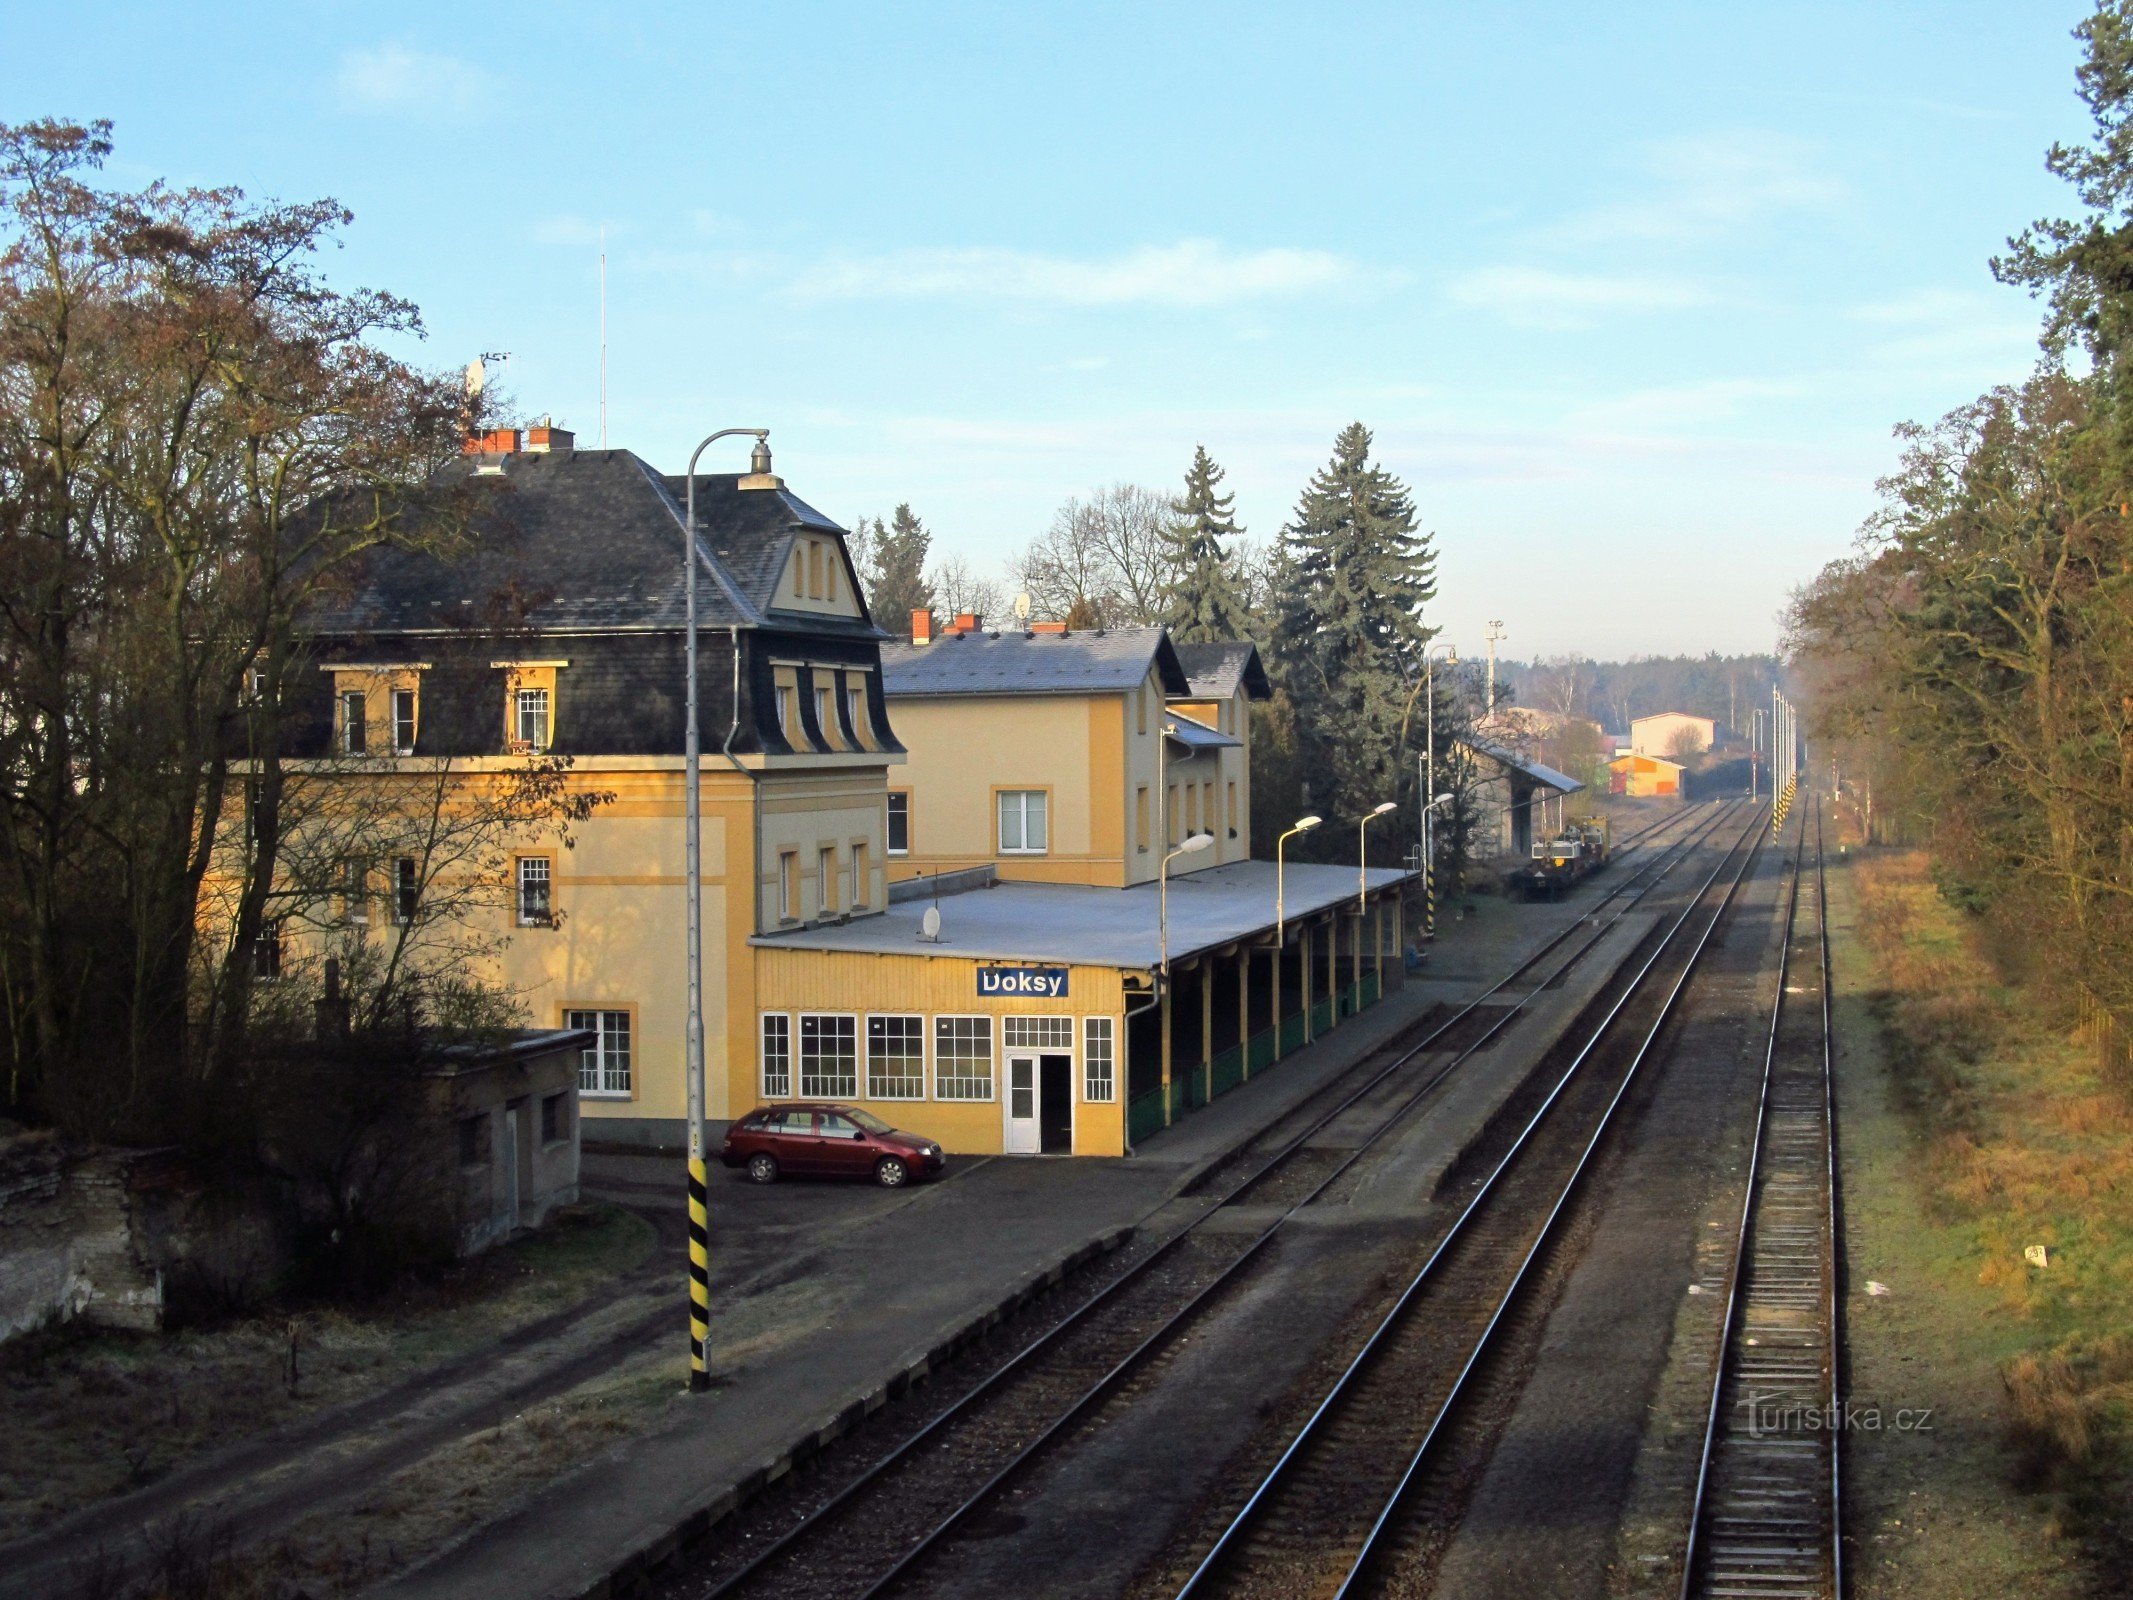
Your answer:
<point x="891" y="1172"/>
<point x="763" y="1168"/>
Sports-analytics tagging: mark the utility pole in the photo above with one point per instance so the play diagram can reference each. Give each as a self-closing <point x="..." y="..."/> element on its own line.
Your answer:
<point x="1493" y="633"/>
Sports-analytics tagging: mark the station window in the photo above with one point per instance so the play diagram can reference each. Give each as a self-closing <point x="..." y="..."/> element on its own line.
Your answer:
<point x="1140" y="817"/>
<point x="899" y="822"/>
<point x="855" y="706"/>
<point x="535" y="907"/>
<point x="355" y="893"/>
<point x="789" y="885"/>
<point x="777" y="1055"/>
<point x="962" y="1058"/>
<point x="1099" y="1060"/>
<point x="603" y="1064"/>
<point x="826" y="880"/>
<point x="355" y="723"/>
<point x="1022" y="822"/>
<point x="826" y="719"/>
<point x="407" y="888"/>
<point x="862" y="876"/>
<point x="896" y="1058"/>
<point x="1233" y="808"/>
<point x="531" y="720"/>
<point x="1170" y="819"/>
<point x="403" y="722"/>
<point x="829" y="1057"/>
<point x="1192" y="810"/>
<point x="1037" y="1033"/>
<point x="266" y="951"/>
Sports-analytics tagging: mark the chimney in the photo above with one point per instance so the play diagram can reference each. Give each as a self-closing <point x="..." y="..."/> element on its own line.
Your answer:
<point x="545" y="435"/>
<point x="922" y="625"/>
<point x="968" y="622"/>
<point x="1047" y="627"/>
<point x="495" y="442"/>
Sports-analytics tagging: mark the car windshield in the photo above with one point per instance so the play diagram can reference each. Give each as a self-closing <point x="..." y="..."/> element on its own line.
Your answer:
<point x="868" y="1121"/>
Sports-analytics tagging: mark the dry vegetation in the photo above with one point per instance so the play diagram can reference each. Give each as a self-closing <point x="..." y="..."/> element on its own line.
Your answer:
<point x="91" y="1413"/>
<point x="2026" y="1135"/>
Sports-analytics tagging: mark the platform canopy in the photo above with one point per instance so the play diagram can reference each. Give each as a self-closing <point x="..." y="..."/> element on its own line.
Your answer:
<point x="1067" y="924"/>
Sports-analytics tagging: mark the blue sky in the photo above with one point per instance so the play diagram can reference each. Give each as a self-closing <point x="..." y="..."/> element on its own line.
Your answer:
<point x="1631" y="295"/>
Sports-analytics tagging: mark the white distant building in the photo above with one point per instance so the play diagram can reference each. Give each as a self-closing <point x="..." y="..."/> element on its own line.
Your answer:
<point x="1663" y="735"/>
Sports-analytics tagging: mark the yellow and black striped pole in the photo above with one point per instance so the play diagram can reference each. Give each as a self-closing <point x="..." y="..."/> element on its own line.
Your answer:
<point x="699" y="1268"/>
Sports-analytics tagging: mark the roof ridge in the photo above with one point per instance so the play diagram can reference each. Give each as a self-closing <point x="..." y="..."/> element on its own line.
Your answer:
<point x="747" y="607"/>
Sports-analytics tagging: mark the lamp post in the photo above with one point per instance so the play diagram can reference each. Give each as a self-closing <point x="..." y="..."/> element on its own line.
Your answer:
<point x="1281" y="937"/>
<point x="1362" y="881"/>
<point x="1429" y="779"/>
<point x="692" y="874"/>
<point x="1191" y="846"/>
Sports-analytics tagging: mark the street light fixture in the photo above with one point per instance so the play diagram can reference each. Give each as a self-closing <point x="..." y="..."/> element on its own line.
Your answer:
<point x="1429" y="779"/>
<point x="692" y="873"/>
<point x="1303" y="825"/>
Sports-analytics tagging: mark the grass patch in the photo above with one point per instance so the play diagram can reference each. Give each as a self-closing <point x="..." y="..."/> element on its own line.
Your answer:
<point x="92" y="1413"/>
<point x="2017" y="1141"/>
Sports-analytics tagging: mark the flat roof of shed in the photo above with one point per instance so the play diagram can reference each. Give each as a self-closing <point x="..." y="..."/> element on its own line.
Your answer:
<point x="1068" y="925"/>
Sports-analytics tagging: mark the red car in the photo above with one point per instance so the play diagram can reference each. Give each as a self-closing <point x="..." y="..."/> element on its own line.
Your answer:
<point x="828" y="1141"/>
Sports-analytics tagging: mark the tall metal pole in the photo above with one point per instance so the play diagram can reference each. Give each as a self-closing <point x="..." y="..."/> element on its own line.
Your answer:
<point x="692" y="875"/>
<point x="1494" y="633"/>
<point x="1429" y="784"/>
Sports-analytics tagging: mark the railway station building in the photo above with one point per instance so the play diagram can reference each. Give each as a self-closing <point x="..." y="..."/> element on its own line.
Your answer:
<point x="1027" y="783"/>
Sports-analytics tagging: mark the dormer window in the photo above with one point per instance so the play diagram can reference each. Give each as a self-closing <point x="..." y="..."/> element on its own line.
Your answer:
<point x="532" y="719"/>
<point x="355" y="723"/>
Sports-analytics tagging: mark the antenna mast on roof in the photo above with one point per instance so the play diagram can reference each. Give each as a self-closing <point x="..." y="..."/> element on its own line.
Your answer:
<point x="603" y="336"/>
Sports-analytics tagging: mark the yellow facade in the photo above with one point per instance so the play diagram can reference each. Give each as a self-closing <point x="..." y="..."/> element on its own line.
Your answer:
<point x="797" y="983"/>
<point x="1114" y="795"/>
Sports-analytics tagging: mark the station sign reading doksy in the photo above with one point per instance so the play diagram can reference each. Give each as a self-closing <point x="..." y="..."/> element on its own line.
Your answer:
<point x="1044" y="983"/>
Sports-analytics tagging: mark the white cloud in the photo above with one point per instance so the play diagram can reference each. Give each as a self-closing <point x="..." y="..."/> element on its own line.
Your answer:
<point x="1194" y="273"/>
<point x="1710" y="186"/>
<point x="1538" y="297"/>
<point x="407" y="82"/>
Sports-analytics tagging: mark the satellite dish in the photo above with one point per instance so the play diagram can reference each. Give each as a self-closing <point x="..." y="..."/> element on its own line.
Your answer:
<point x="1023" y="606"/>
<point x="929" y="924"/>
<point x="477" y="377"/>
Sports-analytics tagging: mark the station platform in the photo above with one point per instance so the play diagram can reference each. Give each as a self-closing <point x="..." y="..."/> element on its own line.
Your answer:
<point x="829" y="1297"/>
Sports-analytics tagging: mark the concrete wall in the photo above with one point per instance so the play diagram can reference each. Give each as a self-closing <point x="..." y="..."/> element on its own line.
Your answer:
<point x="546" y="1170"/>
<point x="66" y="1241"/>
<point x="1655" y="736"/>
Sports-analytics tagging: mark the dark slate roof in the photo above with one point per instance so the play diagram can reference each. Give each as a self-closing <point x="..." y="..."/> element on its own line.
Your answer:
<point x="587" y="540"/>
<point x="1095" y="661"/>
<point x="1216" y="668"/>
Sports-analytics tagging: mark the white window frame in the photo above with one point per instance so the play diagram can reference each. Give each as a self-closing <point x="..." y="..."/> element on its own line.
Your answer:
<point x="925" y="1053"/>
<point x="546" y="878"/>
<point x="777" y="1087"/>
<point x="601" y="1078"/>
<point x="405" y="747"/>
<point x="855" y="710"/>
<point x="406" y="889"/>
<point x="1105" y="1091"/>
<point x="811" y="1091"/>
<point x="1021" y="798"/>
<point x="532" y="697"/>
<point x="992" y="1063"/>
<point x="889" y="827"/>
<point x="862" y="876"/>
<point x="355" y="720"/>
<point x="1050" y="1022"/>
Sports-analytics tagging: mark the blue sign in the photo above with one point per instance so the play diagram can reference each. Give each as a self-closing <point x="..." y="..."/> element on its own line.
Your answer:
<point x="1039" y="983"/>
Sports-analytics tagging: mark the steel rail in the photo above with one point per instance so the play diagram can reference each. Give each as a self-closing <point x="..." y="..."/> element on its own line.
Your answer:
<point x="1696" y="833"/>
<point x="1746" y="1240"/>
<point x="1255" y="1505"/>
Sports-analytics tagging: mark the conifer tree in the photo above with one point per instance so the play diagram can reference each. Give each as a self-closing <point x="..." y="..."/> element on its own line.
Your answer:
<point x="1350" y="639"/>
<point x="1206" y="599"/>
<point x="896" y="577"/>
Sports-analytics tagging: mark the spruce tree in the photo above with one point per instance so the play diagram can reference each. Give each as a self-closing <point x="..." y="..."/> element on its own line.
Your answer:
<point x="1206" y="599"/>
<point x="1350" y="641"/>
<point x="896" y="583"/>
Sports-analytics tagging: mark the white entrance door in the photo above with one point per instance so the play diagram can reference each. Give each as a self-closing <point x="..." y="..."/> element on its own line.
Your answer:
<point x="1023" y="1138"/>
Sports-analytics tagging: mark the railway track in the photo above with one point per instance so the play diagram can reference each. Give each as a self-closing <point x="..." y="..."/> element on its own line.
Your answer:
<point x="1322" y="1514"/>
<point x="871" y="1534"/>
<point x="1766" y="1517"/>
